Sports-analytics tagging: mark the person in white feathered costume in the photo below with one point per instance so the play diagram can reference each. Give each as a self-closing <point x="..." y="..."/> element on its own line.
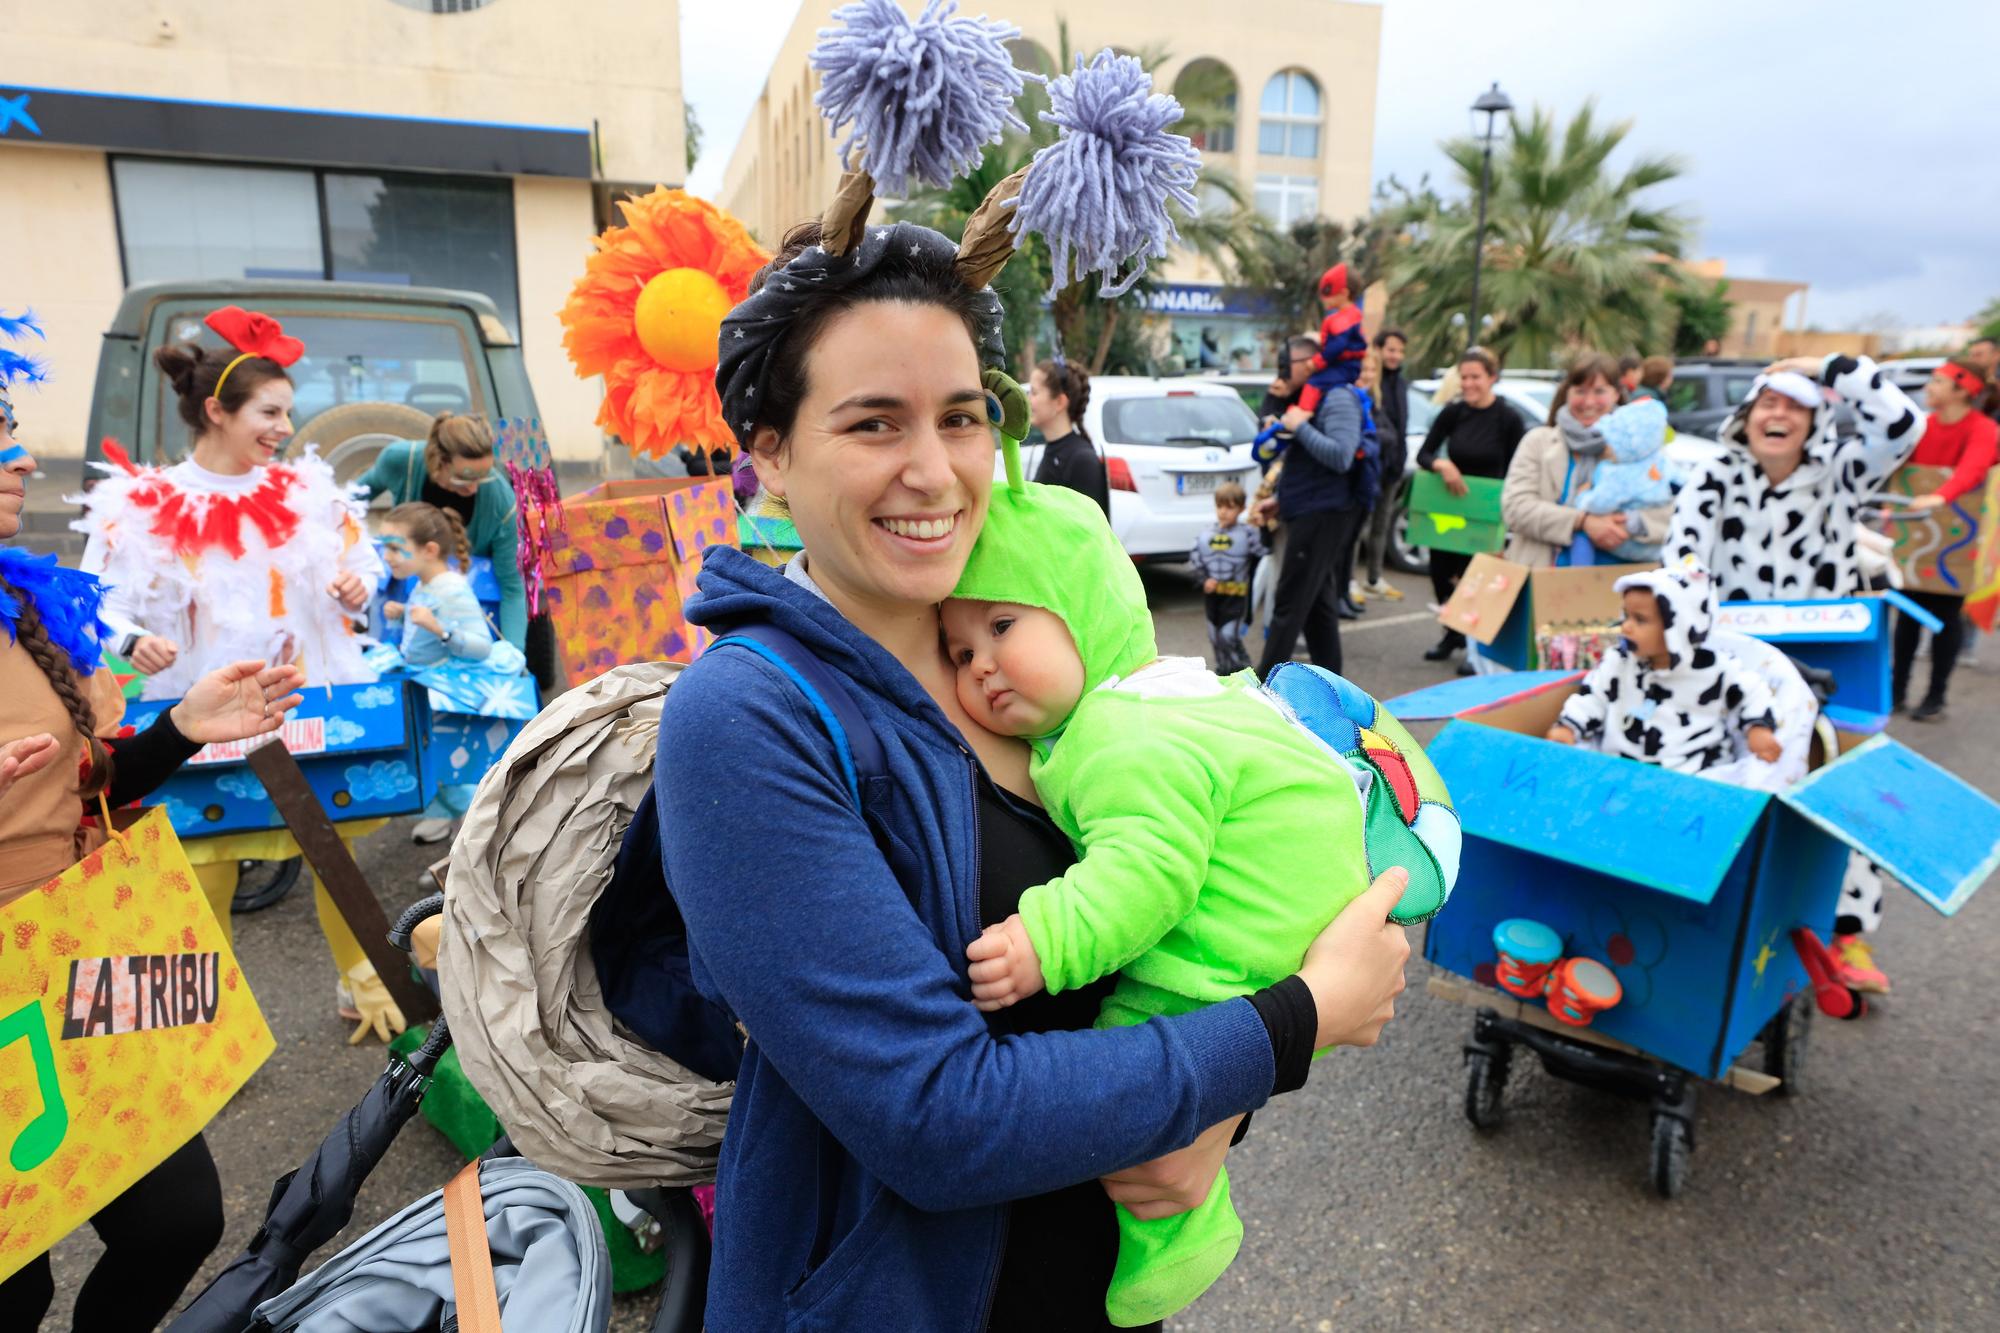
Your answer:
<point x="229" y="554"/>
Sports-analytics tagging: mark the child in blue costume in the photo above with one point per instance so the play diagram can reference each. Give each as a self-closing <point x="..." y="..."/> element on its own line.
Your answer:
<point x="1633" y="474"/>
<point x="1218" y="835"/>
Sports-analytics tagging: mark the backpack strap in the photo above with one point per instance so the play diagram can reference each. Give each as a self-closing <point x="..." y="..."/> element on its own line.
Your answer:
<point x="860" y="749"/>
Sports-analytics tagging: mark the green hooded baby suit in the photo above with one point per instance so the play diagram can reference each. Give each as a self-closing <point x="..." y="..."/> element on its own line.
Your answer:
<point x="1217" y="836"/>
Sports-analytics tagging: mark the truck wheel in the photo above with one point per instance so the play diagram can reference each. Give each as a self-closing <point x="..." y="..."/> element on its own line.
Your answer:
<point x="351" y="435"/>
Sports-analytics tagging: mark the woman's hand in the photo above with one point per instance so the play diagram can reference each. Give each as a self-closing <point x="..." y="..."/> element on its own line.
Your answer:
<point x="153" y="654"/>
<point x="1355" y="968"/>
<point x="237" y="702"/>
<point x="348" y="589"/>
<point x="1294" y="418"/>
<point x="1265" y="511"/>
<point x="1607" y="532"/>
<point x="1809" y="366"/>
<point x="425" y="618"/>
<point x="1453" y="479"/>
<point x="1176" y="1183"/>
<point x="30" y="754"/>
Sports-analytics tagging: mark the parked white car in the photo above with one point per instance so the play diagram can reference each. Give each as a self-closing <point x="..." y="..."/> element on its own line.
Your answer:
<point x="1167" y="444"/>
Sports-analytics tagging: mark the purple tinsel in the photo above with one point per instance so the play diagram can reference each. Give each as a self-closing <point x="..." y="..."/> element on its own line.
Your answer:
<point x="537" y="509"/>
<point x="67" y="600"/>
<point x="1100" y="191"/>
<point x="923" y="98"/>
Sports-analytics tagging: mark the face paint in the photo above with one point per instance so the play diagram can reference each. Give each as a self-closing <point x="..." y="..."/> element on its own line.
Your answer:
<point x="11" y="452"/>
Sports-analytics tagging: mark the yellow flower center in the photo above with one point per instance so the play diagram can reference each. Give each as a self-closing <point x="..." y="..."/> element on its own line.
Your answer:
<point x="679" y="318"/>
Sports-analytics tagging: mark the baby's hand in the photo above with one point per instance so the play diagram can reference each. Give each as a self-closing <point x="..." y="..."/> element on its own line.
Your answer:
<point x="1764" y="744"/>
<point x="1561" y="735"/>
<point x="1005" y="968"/>
<point x="392" y="610"/>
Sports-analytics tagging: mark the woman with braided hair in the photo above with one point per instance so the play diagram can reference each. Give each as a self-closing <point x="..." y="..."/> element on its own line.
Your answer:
<point x="1058" y="396"/>
<point x="56" y="707"/>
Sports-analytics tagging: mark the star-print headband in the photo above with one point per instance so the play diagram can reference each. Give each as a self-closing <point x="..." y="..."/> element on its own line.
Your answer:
<point x="252" y="335"/>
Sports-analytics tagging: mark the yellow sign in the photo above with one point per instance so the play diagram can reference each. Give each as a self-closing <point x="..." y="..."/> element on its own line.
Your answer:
<point x="125" y="1025"/>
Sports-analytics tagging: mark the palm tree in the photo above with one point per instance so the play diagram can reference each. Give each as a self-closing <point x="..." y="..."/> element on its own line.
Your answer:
<point x="1089" y="326"/>
<point x="1574" y="256"/>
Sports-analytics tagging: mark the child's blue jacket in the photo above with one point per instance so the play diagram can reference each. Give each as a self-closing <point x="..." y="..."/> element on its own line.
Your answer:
<point x="879" y="1129"/>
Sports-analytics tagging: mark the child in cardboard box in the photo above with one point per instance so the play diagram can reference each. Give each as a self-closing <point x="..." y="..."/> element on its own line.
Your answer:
<point x="1666" y="696"/>
<point x="1218" y="836"/>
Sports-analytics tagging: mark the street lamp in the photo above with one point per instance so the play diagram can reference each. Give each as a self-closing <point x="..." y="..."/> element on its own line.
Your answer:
<point x="1495" y="104"/>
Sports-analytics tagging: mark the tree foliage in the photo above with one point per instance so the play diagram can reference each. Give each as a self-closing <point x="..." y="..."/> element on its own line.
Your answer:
<point x="1576" y="255"/>
<point x="1988" y="319"/>
<point x="692" y="125"/>
<point x="1702" y="313"/>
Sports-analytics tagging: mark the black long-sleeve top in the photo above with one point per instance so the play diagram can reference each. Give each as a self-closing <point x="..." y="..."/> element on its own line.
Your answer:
<point x="139" y="764"/>
<point x="1074" y="462"/>
<point x="1481" y="439"/>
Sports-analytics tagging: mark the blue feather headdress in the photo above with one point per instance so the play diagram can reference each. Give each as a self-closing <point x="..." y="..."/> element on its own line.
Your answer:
<point x="66" y="600"/>
<point x="18" y="367"/>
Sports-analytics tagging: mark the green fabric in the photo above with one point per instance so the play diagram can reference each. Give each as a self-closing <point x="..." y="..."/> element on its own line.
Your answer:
<point x="455" y="1110"/>
<point x="1216" y="837"/>
<point x="493" y="532"/>
<point x="1049" y="546"/>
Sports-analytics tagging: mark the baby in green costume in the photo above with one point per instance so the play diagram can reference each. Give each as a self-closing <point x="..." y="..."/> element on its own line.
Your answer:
<point x="1217" y="835"/>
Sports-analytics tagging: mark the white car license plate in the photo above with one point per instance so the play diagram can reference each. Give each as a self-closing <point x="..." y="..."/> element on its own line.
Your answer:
<point x="1196" y="483"/>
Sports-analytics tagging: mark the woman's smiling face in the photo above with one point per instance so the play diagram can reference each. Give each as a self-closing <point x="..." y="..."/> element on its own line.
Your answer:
<point x="890" y="460"/>
<point x="252" y="435"/>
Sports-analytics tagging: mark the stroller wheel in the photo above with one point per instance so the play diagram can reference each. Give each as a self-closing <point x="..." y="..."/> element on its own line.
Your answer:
<point x="1785" y="1038"/>
<point x="262" y="884"/>
<point x="1485" y="1081"/>
<point x="1672" y="1145"/>
<point x="684" y="1243"/>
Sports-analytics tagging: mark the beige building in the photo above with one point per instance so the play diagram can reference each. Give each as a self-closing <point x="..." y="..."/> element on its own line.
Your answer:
<point x="1303" y="74"/>
<point x="470" y="144"/>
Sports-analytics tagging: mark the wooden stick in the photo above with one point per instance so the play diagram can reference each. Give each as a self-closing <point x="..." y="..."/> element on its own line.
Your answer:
<point x="286" y="783"/>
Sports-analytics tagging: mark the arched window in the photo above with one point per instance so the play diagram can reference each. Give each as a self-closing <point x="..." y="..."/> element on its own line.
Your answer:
<point x="1288" y="116"/>
<point x="1208" y="90"/>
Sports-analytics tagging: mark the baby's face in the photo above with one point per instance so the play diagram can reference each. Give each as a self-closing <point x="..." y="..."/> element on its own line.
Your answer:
<point x="1018" y="669"/>
<point x="1642" y="625"/>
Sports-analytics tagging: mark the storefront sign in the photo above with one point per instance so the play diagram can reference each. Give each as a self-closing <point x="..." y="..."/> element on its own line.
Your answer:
<point x="284" y="134"/>
<point x="1189" y="298"/>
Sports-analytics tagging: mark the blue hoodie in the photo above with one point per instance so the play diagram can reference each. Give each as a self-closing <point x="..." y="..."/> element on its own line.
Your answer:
<point x="879" y="1128"/>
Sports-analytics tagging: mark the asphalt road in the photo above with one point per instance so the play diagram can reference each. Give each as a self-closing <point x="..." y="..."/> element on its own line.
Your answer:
<point x="1368" y="1200"/>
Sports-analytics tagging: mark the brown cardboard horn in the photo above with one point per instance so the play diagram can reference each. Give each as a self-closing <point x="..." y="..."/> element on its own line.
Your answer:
<point x="845" y="221"/>
<point x="988" y="245"/>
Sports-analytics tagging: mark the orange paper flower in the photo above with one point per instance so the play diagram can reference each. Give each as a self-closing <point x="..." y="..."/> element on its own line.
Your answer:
<point x="646" y="314"/>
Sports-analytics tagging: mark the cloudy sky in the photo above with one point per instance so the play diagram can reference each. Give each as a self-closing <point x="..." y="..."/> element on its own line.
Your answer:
<point x="1851" y="145"/>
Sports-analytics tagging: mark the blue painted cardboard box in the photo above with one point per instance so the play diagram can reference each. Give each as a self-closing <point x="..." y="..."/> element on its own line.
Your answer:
<point x="360" y="746"/>
<point x="1687" y="889"/>
<point x="1850" y="636"/>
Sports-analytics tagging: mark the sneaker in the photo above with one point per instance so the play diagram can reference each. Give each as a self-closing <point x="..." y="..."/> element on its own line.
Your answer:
<point x="1854" y="965"/>
<point x="1927" y="711"/>
<point x="1349" y="611"/>
<point x="1356" y="593"/>
<point x="429" y="831"/>
<point x="1445" y="647"/>
<point x="1384" y="589"/>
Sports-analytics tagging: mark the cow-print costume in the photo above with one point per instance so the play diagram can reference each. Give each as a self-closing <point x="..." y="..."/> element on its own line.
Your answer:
<point x="1796" y="539"/>
<point x="1691" y="714"/>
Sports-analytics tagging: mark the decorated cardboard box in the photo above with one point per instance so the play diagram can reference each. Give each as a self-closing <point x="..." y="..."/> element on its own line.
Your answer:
<point x="1951" y="549"/>
<point x="361" y="747"/>
<point x="768" y="538"/>
<point x="1467" y="524"/>
<point x="1851" y="637"/>
<point x="1502" y="605"/>
<point x="1685" y="888"/>
<point x="622" y="563"/>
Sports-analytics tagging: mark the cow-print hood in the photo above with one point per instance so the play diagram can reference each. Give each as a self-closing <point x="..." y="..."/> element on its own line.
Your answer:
<point x="1795" y="538"/>
<point x="1691" y="715"/>
<point x="1686" y="598"/>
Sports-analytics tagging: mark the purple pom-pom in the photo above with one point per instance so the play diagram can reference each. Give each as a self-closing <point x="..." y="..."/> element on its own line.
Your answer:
<point x="923" y="98"/>
<point x="1099" y="193"/>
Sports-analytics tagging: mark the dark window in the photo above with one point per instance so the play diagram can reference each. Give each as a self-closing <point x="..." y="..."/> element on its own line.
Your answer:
<point x="1684" y="395"/>
<point x="182" y="220"/>
<point x="1191" y="419"/>
<point x="1735" y="388"/>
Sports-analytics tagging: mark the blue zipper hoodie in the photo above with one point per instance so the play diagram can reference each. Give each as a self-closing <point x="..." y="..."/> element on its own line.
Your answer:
<point x="879" y="1128"/>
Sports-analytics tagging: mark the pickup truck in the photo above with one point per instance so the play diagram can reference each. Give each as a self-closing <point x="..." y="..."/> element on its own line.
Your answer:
<point x="380" y="363"/>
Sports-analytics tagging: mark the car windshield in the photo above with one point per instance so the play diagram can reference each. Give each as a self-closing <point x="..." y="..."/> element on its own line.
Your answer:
<point x="1422" y="413"/>
<point x="414" y="359"/>
<point x="1179" y="418"/>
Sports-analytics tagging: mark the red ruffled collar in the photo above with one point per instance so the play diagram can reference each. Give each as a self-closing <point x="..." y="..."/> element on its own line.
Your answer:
<point x="195" y="525"/>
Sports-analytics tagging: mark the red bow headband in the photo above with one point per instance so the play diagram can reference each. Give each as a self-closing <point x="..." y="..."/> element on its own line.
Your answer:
<point x="1963" y="378"/>
<point x="252" y="334"/>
